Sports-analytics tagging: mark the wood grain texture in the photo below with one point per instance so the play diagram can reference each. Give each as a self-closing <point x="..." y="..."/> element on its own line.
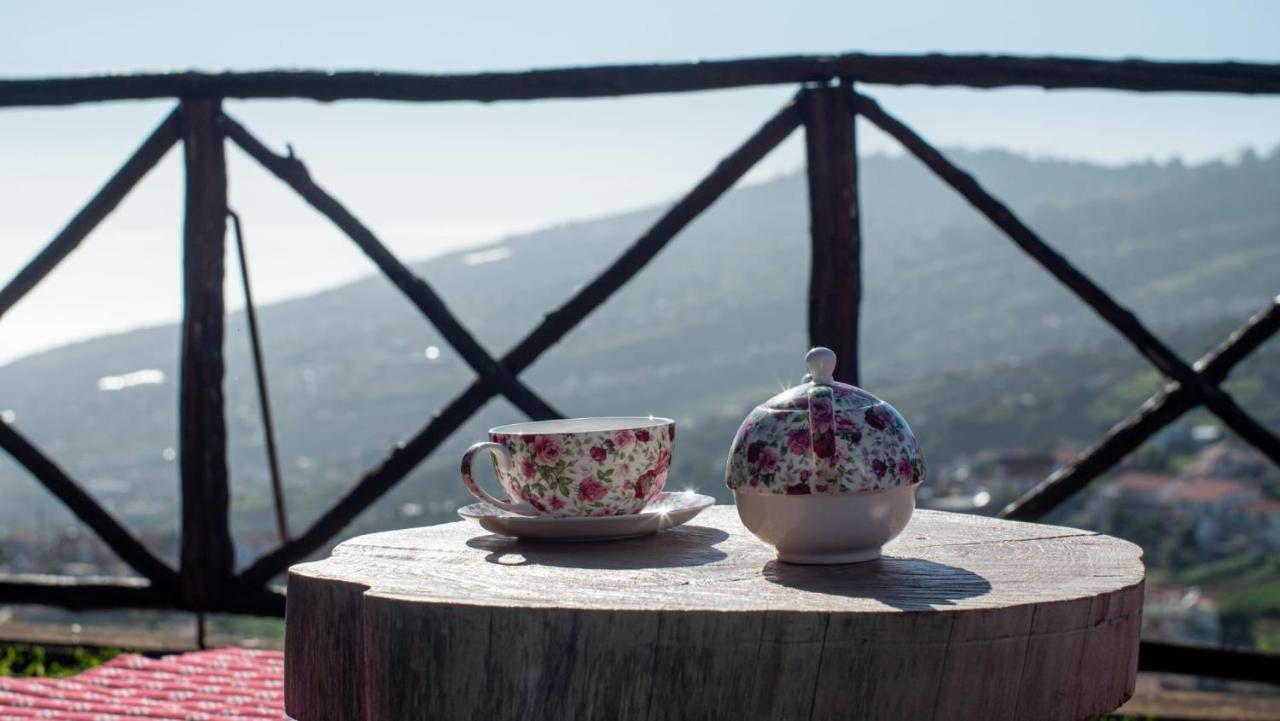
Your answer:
<point x="964" y="617"/>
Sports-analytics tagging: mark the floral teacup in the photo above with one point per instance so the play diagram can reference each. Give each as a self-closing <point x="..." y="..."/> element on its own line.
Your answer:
<point x="577" y="466"/>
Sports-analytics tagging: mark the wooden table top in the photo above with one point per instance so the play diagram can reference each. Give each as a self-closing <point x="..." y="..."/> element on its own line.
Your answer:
<point x="963" y="615"/>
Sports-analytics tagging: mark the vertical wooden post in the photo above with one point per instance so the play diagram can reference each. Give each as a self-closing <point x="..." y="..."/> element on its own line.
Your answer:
<point x="207" y="552"/>
<point x="835" y="278"/>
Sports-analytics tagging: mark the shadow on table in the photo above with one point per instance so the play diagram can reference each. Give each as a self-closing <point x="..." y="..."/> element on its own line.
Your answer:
<point x="910" y="584"/>
<point x="688" y="545"/>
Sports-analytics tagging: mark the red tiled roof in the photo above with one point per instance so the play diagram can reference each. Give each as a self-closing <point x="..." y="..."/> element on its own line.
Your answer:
<point x="223" y="685"/>
<point x="1144" y="481"/>
<point x="1261" y="506"/>
<point x="1210" y="489"/>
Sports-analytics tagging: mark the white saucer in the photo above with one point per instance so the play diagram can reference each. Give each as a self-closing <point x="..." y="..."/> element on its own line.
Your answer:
<point x="666" y="510"/>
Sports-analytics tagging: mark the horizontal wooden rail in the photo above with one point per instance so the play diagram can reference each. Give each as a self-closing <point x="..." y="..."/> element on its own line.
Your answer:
<point x="976" y="71"/>
<point x="293" y="173"/>
<point x="1240" y="664"/>
<point x="1158" y="411"/>
<point x="98" y="208"/>
<point x="1117" y="316"/>
<point x="552" y="328"/>
<point x="92" y="593"/>
<point x="84" y="594"/>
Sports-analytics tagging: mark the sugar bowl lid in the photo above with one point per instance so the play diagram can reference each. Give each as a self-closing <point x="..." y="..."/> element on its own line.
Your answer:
<point x="823" y="436"/>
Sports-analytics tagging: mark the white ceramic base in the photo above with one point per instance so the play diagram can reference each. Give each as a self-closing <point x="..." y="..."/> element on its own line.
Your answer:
<point x="829" y="559"/>
<point x="827" y="528"/>
<point x="666" y="510"/>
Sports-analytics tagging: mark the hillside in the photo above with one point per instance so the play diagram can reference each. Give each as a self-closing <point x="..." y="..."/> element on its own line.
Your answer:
<point x="953" y="314"/>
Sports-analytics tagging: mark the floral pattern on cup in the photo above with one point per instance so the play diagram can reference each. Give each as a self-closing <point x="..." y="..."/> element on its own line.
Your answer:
<point x="583" y="473"/>
<point x="856" y="444"/>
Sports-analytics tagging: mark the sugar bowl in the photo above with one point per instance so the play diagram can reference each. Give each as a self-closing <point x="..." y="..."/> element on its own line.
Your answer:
<point x="825" y="472"/>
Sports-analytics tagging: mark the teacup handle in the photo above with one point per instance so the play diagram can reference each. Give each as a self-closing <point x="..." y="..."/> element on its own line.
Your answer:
<point x="503" y="460"/>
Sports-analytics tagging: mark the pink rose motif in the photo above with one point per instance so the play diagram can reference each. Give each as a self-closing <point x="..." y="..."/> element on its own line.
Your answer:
<point x="880" y="418"/>
<point x="824" y="445"/>
<point x="797" y="489"/>
<point x="526" y="468"/>
<point x="590" y="490"/>
<point x="878" y="467"/>
<point x="798" y="441"/>
<point x="644" y="484"/>
<point x="821" y="413"/>
<point x="664" y="460"/>
<point x="768" y="460"/>
<point x="547" y="450"/>
<point x="642" y="436"/>
<point x="556" y="503"/>
<point x="624" y="439"/>
<point x="905" y="470"/>
<point x="597" y="454"/>
<point x="671" y="432"/>
<point x="523" y="495"/>
<point x="838" y="454"/>
<point x="499" y="438"/>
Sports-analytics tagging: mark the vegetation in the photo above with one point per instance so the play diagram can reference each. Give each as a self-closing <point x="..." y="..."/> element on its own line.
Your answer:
<point x="26" y="660"/>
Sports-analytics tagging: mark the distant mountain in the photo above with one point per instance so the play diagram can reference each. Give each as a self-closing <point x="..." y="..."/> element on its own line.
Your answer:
<point x="713" y="325"/>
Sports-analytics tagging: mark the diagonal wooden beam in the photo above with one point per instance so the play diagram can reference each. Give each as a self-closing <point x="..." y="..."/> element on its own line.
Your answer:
<point x="294" y="174"/>
<point x="98" y="207"/>
<point x="552" y="328"/>
<point x="1157" y="412"/>
<point x="98" y="519"/>
<point x="1120" y="318"/>
<point x="729" y="171"/>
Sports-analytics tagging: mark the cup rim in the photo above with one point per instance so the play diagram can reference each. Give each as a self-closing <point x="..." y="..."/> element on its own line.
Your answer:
<point x="568" y="426"/>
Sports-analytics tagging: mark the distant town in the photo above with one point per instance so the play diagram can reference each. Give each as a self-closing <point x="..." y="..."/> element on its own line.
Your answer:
<point x="1205" y="509"/>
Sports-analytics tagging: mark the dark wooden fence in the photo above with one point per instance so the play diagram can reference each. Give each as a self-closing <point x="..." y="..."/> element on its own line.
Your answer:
<point x="830" y="96"/>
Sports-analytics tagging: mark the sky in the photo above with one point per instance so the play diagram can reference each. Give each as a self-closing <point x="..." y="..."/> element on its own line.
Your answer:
<point x="430" y="178"/>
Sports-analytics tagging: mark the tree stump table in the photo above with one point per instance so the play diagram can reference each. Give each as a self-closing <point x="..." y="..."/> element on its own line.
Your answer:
<point x="964" y="618"/>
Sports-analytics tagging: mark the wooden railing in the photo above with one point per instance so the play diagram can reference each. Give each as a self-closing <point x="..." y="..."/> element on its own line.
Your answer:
<point x="830" y="96"/>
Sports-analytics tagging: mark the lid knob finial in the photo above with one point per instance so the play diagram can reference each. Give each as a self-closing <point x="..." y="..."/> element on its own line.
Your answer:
<point x="822" y="364"/>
